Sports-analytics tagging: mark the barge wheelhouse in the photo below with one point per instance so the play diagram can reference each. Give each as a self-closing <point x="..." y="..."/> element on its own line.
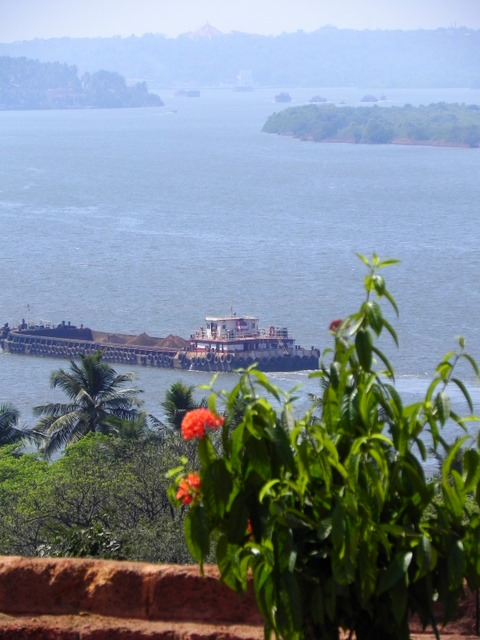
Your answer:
<point x="238" y="340"/>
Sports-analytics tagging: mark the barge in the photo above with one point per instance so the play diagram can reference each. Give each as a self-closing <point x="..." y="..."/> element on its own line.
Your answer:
<point x="224" y="343"/>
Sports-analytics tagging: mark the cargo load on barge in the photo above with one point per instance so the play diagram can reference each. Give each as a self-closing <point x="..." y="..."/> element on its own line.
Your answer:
<point x="224" y="343"/>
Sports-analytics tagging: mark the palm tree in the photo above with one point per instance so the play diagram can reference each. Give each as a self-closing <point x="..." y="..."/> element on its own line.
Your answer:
<point x="143" y="428"/>
<point x="178" y="401"/>
<point x="10" y="433"/>
<point x="95" y="394"/>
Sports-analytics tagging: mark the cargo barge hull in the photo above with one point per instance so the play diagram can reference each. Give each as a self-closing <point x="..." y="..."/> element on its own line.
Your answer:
<point x="66" y="341"/>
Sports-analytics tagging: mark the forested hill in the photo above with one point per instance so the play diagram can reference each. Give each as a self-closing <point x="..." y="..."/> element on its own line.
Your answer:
<point x="327" y="57"/>
<point x="441" y="123"/>
<point x="30" y="84"/>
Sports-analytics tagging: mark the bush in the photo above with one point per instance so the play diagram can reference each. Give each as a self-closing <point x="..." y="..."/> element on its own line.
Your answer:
<point x="332" y="515"/>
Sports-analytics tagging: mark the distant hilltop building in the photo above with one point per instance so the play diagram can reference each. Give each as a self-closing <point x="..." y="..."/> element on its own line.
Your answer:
<point x="207" y="32"/>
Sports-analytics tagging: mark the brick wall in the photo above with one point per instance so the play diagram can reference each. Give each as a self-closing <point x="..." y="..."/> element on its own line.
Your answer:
<point x="82" y="599"/>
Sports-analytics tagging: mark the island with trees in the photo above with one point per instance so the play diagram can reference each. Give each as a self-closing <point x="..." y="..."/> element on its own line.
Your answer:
<point x="30" y="84"/>
<point x="435" y="124"/>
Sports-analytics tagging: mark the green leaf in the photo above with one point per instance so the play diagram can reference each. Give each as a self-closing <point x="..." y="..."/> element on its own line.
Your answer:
<point x="290" y="614"/>
<point x="464" y="391"/>
<point x="197" y="533"/>
<point x="233" y="575"/>
<point x="471" y="465"/>
<point x="379" y="284"/>
<point x="396" y="570"/>
<point x="206" y="451"/>
<point x="265" y="491"/>
<point x="335" y="372"/>
<point x="367" y="569"/>
<point x="237" y="442"/>
<point x="391" y="300"/>
<point x="391" y="331"/>
<point x="399" y="599"/>
<point x="472" y="362"/>
<point x="338" y="530"/>
<point x="424" y="557"/>
<point x="388" y="262"/>
<point x="442" y="404"/>
<point x="259" y="457"/>
<point x="396" y="398"/>
<point x="324" y="528"/>
<point x="374" y="316"/>
<point x="385" y="361"/>
<point x="456" y="564"/>
<point x="364" y="259"/>
<point x="265" y="592"/>
<point x="216" y="487"/>
<point x="363" y="346"/>
<point x="452" y="500"/>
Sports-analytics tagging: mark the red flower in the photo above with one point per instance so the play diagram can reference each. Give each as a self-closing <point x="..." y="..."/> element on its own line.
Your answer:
<point x="189" y="488"/>
<point x="335" y="325"/>
<point x="197" y="421"/>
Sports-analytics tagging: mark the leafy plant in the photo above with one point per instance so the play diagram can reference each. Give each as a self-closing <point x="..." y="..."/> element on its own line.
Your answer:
<point x="89" y="542"/>
<point x="331" y="515"/>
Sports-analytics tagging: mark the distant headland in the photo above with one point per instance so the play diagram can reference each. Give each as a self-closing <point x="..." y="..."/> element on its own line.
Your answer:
<point x="30" y="84"/>
<point x="439" y="124"/>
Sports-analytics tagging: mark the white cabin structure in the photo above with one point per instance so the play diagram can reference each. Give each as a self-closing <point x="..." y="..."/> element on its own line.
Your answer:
<point x="234" y="334"/>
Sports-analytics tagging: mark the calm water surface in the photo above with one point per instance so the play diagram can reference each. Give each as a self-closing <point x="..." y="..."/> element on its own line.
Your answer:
<point x="150" y="219"/>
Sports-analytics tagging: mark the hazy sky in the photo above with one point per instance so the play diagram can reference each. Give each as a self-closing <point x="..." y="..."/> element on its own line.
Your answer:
<point x="28" y="19"/>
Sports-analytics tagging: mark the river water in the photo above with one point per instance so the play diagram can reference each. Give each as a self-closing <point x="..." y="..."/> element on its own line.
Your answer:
<point x="148" y="220"/>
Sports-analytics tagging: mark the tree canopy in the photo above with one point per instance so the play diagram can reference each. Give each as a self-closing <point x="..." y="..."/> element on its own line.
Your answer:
<point x="439" y="122"/>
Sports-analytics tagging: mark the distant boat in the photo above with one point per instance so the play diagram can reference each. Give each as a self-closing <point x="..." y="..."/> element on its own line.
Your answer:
<point x="370" y="98"/>
<point x="283" y="97"/>
<point x="187" y="93"/>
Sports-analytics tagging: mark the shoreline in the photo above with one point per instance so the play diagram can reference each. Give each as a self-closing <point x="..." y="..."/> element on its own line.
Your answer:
<point x="398" y="141"/>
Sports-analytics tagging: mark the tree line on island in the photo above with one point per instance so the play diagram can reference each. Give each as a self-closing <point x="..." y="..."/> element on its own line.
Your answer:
<point x="30" y="84"/>
<point x="439" y="123"/>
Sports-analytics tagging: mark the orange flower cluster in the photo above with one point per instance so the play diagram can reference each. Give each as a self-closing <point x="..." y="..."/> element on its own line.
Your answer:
<point x="195" y="423"/>
<point x="189" y="488"/>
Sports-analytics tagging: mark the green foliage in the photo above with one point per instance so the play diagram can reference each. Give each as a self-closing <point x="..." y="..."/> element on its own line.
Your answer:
<point x="90" y="542"/>
<point x="10" y="432"/>
<point x="105" y="497"/>
<point x="332" y="515"/>
<point x="96" y="396"/>
<point x="441" y="122"/>
<point x="19" y="476"/>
